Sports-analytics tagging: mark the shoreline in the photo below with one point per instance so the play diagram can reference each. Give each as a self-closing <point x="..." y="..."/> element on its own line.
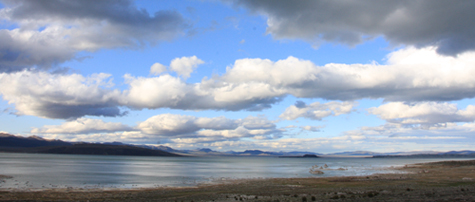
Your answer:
<point x="443" y="180"/>
<point x="215" y="181"/>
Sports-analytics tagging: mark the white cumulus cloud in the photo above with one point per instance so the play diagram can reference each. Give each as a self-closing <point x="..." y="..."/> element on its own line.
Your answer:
<point x="184" y="66"/>
<point x="60" y="96"/>
<point x="311" y="128"/>
<point x="316" y="110"/>
<point x="179" y="128"/>
<point x="83" y="126"/>
<point x="157" y="69"/>
<point x="410" y="75"/>
<point x="426" y="113"/>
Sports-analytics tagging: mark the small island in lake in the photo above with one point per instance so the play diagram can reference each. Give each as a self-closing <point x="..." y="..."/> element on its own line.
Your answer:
<point x="304" y="156"/>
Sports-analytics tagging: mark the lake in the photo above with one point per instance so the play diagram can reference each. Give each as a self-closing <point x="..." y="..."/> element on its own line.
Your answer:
<point x="38" y="171"/>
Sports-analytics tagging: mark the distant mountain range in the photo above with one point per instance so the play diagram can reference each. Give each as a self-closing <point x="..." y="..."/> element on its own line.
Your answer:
<point x="8" y="140"/>
<point x="17" y="144"/>
<point x="209" y="152"/>
<point x="91" y="149"/>
<point x="355" y="153"/>
<point x="413" y="154"/>
<point x="35" y="144"/>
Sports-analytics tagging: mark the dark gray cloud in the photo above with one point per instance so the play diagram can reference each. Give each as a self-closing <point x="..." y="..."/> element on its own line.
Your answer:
<point x="300" y="104"/>
<point x="60" y="111"/>
<point x="442" y="23"/>
<point x="121" y="15"/>
<point x="17" y="54"/>
<point x="51" y="32"/>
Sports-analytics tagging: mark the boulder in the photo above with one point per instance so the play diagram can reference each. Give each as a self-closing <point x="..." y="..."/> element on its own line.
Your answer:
<point x="316" y="172"/>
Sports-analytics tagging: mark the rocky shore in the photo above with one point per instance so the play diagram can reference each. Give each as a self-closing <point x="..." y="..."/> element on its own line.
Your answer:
<point x="439" y="181"/>
<point x="3" y="177"/>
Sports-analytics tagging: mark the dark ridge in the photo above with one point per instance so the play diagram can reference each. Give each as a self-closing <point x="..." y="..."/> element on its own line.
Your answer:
<point x="92" y="149"/>
<point x="304" y="156"/>
<point x="8" y="140"/>
<point x="258" y="153"/>
<point x="310" y="156"/>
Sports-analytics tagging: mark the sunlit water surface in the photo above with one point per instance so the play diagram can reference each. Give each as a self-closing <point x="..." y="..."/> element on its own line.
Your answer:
<point x="37" y="171"/>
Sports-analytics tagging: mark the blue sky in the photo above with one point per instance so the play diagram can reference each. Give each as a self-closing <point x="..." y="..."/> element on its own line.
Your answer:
<point x="321" y="76"/>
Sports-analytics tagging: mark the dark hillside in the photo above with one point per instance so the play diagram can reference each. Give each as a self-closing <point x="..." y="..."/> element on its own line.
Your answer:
<point x="7" y="140"/>
<point x="92" y="149"/>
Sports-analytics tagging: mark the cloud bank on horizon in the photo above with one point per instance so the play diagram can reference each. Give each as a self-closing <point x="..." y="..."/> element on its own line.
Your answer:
<point x="285" y="103"/>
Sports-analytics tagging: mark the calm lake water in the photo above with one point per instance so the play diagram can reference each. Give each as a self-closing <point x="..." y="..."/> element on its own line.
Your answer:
<point x="36" y="171"/>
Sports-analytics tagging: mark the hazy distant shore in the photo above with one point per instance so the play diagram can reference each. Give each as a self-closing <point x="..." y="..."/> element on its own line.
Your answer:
<point x="438" y="181"/>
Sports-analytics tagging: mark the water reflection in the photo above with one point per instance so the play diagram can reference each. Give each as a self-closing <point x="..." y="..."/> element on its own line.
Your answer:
<point x="85" y="171"/>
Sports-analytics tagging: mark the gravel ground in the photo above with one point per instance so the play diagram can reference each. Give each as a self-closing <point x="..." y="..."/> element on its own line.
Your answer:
<point x="440" y="181"/>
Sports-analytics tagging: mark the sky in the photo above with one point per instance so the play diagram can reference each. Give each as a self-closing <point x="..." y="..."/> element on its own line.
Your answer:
<point x="320" y="76"/>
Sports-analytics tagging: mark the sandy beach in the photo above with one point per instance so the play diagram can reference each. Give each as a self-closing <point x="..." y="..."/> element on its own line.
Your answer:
<point x="438" y="181"/>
